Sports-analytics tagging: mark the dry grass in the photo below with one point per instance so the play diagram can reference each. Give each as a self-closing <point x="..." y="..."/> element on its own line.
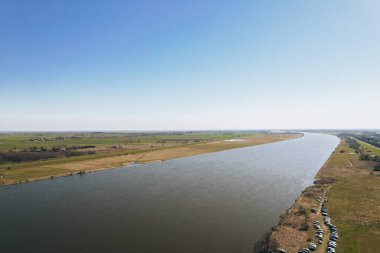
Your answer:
<point x="354" y="206"/>
<point x="45" y="169"/>
<point x="288" y="238"/>
<point x="289" y="234"/>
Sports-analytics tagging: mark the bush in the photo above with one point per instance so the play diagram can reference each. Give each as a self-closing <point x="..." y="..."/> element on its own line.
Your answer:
<point x="72" y="153"/>
<point x="353" y="144"/>
<point x="25" y="156"/>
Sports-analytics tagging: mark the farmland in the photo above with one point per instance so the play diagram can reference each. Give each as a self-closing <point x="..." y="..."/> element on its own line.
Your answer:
<point x="68" y="153"/>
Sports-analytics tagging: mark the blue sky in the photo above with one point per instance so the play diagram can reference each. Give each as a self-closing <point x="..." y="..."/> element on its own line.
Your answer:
<point x="166" y="65"/>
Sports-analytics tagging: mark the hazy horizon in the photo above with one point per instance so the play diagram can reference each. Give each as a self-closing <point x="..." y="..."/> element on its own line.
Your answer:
<point x="190" y="130"/>
<point x="189" y="65"/>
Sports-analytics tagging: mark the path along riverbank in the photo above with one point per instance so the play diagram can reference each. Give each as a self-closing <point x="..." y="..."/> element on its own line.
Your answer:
<point x="354" y="197"/>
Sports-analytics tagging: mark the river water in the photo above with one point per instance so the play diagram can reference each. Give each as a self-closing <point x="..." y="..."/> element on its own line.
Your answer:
<point x="217" y="202"/>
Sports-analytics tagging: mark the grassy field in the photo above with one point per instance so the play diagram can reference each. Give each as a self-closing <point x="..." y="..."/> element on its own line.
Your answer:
<point x="353" y="206"/>
<point x="354" y="200"/>
<point x="20" y="141"/>
<point x="116" y="149"/>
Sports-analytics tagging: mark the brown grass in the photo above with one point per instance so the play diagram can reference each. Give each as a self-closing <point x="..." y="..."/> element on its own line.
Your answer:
<point x="289" y="235"/>
<point x="353" y="206"/>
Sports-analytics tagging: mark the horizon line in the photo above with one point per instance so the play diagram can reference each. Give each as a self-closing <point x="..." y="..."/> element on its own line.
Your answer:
<point x="188" y="130"/>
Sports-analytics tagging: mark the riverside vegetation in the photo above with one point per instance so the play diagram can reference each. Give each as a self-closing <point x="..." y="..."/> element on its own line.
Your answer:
<point x="32" y="156"/>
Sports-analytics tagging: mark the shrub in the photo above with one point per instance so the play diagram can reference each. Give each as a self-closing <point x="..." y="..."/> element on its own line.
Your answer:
<point x="304" y="227"/>
<point x="72" y="153"/>
<point x="25" y="156"/>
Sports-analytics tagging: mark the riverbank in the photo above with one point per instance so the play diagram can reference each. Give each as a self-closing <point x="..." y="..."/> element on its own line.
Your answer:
<point x="27" y="172"/>
<point x="354" y="197"/>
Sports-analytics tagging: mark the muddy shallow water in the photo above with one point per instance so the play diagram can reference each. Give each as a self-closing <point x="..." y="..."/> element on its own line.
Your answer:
<point x="218" y="202"/>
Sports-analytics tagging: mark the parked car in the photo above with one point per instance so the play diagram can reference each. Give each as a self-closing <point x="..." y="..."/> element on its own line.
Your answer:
<point x="330" y="250"/>
<point x="312" y="246"/>
<point x="332" y="244"/>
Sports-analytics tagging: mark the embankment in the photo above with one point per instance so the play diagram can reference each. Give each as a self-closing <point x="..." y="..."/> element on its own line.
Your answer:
<point x="354" y="197"/>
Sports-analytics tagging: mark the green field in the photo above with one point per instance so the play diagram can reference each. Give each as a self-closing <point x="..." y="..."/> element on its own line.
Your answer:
<point x="354" y="208"/>
<point x="20" y="141"/>
<point x="353" y="200"/>
<point x="102" y="144"/>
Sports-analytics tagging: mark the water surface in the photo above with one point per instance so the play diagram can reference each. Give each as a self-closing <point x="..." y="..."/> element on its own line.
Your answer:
<point x="218" y="202"/>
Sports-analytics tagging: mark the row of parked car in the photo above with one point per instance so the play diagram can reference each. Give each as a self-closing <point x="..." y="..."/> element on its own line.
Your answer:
<point x="319" y="233"/>
<point x="334" y="236"/>
<point x="331" y="246"/>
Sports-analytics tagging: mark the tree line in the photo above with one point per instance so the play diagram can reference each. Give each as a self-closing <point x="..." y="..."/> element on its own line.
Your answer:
<point x="363" y="156"/>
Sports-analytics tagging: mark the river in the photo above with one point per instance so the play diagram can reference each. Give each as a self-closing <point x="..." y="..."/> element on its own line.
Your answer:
<point x="219" y="202"/>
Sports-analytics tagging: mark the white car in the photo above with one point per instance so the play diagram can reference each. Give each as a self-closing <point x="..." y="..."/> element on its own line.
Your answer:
<point x="312" y="246"/>
<point x="330" y="250"/>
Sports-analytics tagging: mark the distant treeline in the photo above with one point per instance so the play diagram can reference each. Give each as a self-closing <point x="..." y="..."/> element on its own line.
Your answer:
<point x="14" y="156"/>
<point x="7" y="156"/>
<point x="55" y="138"/>
<point x="354" y="145"/>
<point x="56" y="148"/>
<point x="372" y="139"/>
<point x="362" y="154"/>
<point x="80" y="147"/>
